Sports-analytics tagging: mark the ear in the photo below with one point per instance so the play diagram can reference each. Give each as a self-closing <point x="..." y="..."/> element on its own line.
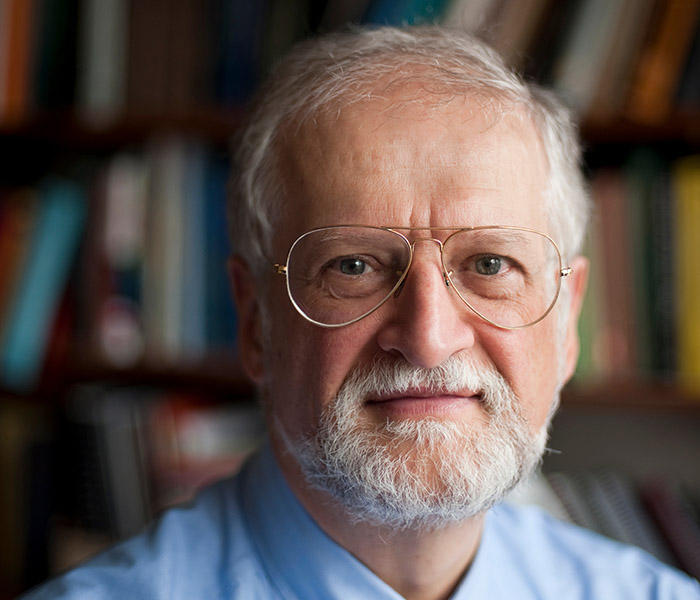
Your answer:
<point x="577" y="283"/>
<point x="245" y="294"/>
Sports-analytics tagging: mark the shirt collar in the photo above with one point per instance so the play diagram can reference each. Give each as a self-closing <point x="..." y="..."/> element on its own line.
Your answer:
<point x="300" y="559"/>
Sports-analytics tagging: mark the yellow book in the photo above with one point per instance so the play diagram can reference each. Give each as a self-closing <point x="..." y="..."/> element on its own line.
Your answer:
<point x="687" y="183"/>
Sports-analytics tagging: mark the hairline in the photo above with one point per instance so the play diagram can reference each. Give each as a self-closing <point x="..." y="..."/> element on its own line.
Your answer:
<point x="334" y="92"/>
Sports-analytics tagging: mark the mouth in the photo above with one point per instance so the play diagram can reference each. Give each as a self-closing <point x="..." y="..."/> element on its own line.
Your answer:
<point x="424" y="403"/>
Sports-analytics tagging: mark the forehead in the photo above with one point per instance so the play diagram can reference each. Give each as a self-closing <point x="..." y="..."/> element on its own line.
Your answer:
<point x="405" y="160"/>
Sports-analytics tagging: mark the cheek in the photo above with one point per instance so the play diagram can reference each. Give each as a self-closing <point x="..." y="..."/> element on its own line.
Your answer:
<point x="306" y="365"/>
<point x="528" y="359"/>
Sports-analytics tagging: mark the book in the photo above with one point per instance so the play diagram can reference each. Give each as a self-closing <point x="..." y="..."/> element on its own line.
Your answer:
<point x="147" y="63"/>
<point x="117" y="254"/>
<point x="20" y="425"/>
<point x="193" y="267"/>
<point x="688" y="92"/>
<point x="287" y="22"/>
<point x="4" y="50"/>
<point x="162" y="298"/>
<point x="675" y="519"/>
<point x="592" y="359"/>
<point x="686" y="180"/>
<point x="17" y="219"/>
<point x="102" y="60"/>
<point x="338" y="13"/>
<point x="53" y="245"/>
<point x="471" y="16"/>
<point x="616" y="340"/>
<point x="19" y="60"/>
<point x="641" y="170"/>
<point x="516" y="25"/>
<point x="551" y="37"/>
<point x="220" y="312"/>
<point x="660" y="65"/>
<point x="55" y="58"/>
<point x="403" y="12"/>
<point x="103" y="438"/>
<point x="664" y="271"/>
<point x="614" y="79"/>
<point x="238" y="27"/>
<point x="586" y="49"/>
<point x="187" y="56"/>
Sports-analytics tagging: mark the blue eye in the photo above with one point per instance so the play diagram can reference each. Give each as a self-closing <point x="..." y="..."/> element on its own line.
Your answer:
<point x="352" y="266"/>
<point x="488" y="265"/>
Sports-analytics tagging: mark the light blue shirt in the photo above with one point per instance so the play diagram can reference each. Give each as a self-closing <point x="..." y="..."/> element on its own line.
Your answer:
<point x="249" y="538"/>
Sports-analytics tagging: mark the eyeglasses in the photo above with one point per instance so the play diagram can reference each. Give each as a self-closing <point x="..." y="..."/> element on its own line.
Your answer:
<point x="509" y="276"/>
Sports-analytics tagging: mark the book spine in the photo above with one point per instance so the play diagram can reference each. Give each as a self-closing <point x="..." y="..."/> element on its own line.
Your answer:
<point x="686" y="174"/>
<point x="53" y="246"/>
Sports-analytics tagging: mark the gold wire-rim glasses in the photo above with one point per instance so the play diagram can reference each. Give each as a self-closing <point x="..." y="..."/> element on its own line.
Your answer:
<point x="281" y="269"/>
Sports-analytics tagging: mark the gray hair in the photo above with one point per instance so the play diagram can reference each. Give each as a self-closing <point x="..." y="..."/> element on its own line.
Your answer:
<point x="340" y="69"/>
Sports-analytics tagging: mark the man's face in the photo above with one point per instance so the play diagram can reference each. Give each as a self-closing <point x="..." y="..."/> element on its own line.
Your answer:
<point x="406" y="167"/>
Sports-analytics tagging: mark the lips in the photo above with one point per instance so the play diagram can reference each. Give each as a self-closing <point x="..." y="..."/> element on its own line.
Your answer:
<point x="423" y="394"/>
<point x="422" y="403"/>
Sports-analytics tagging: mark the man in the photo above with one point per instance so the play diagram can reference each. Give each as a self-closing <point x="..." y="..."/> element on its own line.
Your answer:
<point x="407" y="216"/>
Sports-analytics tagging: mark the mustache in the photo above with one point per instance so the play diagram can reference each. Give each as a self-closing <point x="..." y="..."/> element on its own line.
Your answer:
<point x="462" y="375"/>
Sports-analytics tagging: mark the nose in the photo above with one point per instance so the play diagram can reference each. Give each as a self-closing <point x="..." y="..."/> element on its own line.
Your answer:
<point x="427" y="323"/>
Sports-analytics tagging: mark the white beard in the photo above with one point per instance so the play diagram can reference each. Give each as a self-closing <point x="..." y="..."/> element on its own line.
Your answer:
<point x="419" y="473"/>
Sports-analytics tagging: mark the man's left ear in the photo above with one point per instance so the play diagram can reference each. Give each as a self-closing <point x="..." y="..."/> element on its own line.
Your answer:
<point x="576" y="283"/>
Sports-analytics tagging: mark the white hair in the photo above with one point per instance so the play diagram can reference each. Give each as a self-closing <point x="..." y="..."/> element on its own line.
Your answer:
<point x="340" y="69"/>
<point x="426" y="473"/>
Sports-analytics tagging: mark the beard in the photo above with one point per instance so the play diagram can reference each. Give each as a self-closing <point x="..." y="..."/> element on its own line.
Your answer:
<point x="426" y="473"/>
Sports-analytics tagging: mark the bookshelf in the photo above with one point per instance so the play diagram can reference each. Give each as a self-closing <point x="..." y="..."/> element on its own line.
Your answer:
<point x="59" y="120"/>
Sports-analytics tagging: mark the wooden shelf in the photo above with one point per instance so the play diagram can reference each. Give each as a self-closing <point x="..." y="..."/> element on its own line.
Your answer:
<point x="681" y="126"/>
<point x="631" y="395"/>
<point x="217" y="123"/>
<point x="219" y="375"/>
<point x="69" y="130"/>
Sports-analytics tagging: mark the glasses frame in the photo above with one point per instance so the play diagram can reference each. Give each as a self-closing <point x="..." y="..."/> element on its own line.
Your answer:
<point x="281" y="269"/>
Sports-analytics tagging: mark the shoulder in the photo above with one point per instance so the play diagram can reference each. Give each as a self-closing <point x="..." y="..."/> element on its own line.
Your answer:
<point x="585" y="564"/>
<point x="201" y="550"/>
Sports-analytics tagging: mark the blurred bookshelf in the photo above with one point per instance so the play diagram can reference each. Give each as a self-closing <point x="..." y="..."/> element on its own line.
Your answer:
<point x="116" y="119"/>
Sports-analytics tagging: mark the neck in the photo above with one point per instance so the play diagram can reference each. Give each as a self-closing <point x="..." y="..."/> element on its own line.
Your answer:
<point x="419" y="564"/>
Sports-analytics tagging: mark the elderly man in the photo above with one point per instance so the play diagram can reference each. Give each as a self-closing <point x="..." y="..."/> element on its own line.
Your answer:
<point x="407" y="217"/>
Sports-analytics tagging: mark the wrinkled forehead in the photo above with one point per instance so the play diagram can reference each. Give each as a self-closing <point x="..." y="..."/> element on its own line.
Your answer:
<point x="358" y="158"/>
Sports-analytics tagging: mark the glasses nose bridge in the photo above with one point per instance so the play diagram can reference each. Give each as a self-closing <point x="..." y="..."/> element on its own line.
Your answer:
<point x="441" y="246"/>
<point x="426" y="239"/>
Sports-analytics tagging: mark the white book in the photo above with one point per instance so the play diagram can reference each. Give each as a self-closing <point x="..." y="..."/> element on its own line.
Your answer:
<point x="580" y="64"/>
<point x="102" y="60"/>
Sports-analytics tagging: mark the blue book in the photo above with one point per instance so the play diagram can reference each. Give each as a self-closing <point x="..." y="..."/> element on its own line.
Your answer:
<point x="238" y="43"/>
<point x="52" y="250"/>
<point x="221" y="319"/>
<point x="193" y="278"/>
<point x="404" y="12"/>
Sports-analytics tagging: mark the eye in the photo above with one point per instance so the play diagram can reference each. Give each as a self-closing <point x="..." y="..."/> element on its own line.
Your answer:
<point x="352" y="266"/>
<point x="488" y="265"/>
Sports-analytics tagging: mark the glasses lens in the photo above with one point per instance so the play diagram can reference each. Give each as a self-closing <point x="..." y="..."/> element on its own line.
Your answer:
<point x="510" y="277"/>
<point x="339" y="274"/>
